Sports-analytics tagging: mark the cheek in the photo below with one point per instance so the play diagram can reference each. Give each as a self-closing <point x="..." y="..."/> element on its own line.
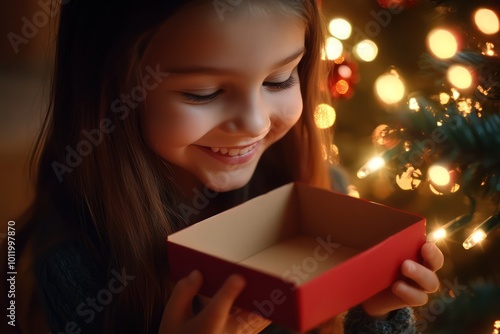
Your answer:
<point x="173" y="125"/>
<point x="289" y="110"/>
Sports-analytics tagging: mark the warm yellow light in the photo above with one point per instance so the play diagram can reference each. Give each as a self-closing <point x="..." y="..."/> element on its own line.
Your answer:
<point x="444" y="98"/>
<point x="439" y="234"/>
<point x="435" y="191"/>
<point x="366" y="50"/>
<point x="342" y="86"/>
<point x="442" y="43"/>
<point x="459" y="76"/>
<point x="413" y="104"/>
<point x="340" y="28"/>
<point x="496" y="324"/>
<point x="334" y="48"/>
<point x="352" y="191"/>
<point x="487" y="21"/>
<point x="439" y="175"/>
<point x="476" y="237"/>
<point x="390" y="88"/>
<point x="371" y="166"/>
<point x="324" y="116"/>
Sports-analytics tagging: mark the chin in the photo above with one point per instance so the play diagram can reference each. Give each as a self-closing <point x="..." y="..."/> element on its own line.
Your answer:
<point x="225" y="181"/>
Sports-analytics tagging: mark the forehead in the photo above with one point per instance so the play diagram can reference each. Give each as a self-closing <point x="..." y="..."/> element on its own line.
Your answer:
<point x="200" y="34"/>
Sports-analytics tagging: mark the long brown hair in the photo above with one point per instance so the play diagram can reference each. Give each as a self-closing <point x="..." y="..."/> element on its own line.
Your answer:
<point x="91" y="157"/>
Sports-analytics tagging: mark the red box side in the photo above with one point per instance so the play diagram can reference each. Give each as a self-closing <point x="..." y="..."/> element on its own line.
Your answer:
<point x="267" y="295"/>
<point x="358" y="278"/>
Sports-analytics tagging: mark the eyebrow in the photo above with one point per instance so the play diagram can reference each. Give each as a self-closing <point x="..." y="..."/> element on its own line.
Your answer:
<point x="203" y="69"/>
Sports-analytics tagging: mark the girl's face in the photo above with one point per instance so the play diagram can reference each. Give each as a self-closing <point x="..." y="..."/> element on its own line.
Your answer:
<point x="232" y="90"/>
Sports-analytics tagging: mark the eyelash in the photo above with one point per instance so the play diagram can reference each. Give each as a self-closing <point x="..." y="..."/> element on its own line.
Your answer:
<point x="273" y="86"/>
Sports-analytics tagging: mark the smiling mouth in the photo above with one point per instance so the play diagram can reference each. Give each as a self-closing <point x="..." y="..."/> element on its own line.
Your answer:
<point x="233" y="151"/>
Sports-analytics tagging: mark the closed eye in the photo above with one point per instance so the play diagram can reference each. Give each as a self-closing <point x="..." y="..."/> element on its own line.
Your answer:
<point x="278" y="86"/>
<point x="194" y="98"/>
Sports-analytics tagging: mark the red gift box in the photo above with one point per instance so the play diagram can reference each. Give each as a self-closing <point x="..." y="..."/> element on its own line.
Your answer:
<point x="307" y="254"/>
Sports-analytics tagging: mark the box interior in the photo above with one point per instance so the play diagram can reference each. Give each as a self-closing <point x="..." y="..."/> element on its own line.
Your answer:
<point x="277" y="231"/>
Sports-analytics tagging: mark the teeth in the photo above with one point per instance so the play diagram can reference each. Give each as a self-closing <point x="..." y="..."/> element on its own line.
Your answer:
<point x="232" y="152"/>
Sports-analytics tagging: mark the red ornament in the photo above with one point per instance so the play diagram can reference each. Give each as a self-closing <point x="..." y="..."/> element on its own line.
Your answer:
<point x="396" y="4"/>
<point x="342" y="77"/>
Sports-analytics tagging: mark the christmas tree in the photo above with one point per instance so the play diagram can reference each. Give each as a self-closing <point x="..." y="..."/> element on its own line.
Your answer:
<point x="441" y="141"/>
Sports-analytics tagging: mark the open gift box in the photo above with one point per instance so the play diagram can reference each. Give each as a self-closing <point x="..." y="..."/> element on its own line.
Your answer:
<point x="307" y="254"/>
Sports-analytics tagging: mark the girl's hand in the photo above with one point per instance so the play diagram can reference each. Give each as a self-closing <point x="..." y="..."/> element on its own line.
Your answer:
<point x="412" y="292"/>
<point x="178" y="317"/>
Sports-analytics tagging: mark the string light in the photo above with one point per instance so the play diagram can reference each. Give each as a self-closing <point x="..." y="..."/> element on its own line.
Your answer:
<point x="390" y="88"/>
<point x="376" y="163"/>
<point x="373" y="165"/>
<point x="340" y="28"/>
<point x="439" y="175"/>
<point x="481" y="232"/>
<point x="459" y="76"/>
<point x="487" y="21"/>
<point x="442" y="43"/>
<point x="366" y="50"/>
<point x="324" y="116"/>
<point x="334" y="49"/>
<point x="449" y="228"/>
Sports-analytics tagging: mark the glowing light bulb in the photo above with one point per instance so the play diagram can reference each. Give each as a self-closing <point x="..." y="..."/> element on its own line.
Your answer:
<point x="324" y="116"/>
<point x="449" y="228"/>
<point x="476" y="237"/>
<point x="439" y="175"/>
<point x="366" y="50"/>
<point x="334" y="48"/>
<point x="389" y="88"/>
<point x="442" y="43"/>
<point x="487" y="21"/>
<point x="481" y="232"/>
<point x="459" y="76"/>
<point x="340" y="28"/>
<point x="371" y="166"/>
<point x="437" y="235"/>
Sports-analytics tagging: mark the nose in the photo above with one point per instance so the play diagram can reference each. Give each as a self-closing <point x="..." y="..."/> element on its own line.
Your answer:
<point x="249" y="116"/>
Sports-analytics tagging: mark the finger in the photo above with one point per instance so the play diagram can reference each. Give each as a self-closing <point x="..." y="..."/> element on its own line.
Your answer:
<point x="179" y="306"/>
<point x="410" y="295"/>
<point x="382" y="303"/>
<point x="432" y="255"/>
<point x="223" y="300"/>
<point x="422" y="276"/>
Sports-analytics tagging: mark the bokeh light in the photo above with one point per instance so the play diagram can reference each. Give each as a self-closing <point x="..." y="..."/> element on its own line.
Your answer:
<point x="442" y="43"/>
<point x="459" y="76"/>
<point x="340" y="28"/>
<point x="486" y="21"/>
<point x="334" y="49"/>
<point x="324" y="116"/>
<point x="389" y="88"/>
<point x="439" y="175"/>
<point x="366" y="50"/>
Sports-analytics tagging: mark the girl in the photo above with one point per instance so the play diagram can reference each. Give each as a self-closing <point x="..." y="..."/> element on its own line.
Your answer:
<point x="153" y="102"/>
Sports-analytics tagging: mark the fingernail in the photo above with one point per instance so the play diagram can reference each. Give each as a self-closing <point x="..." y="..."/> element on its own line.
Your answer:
<point x="409" y="266"/>
<point x="194" y="275"/>
<point x="237" y="280"/>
